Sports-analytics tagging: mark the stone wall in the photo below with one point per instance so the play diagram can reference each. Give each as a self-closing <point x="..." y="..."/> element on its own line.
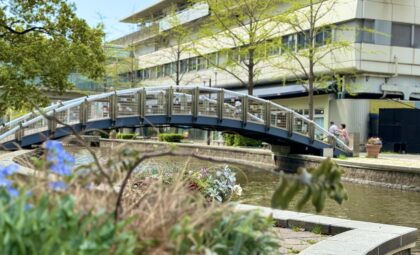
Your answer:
<point x="259" y="158"/>
<point x="380" y="175"/>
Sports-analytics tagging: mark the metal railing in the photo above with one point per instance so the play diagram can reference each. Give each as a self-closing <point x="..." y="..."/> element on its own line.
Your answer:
<point x="169" y="101"/>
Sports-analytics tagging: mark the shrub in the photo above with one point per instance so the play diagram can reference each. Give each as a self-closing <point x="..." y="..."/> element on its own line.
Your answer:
<point x="171" y="138"/>
<point x="126" y="136"/>
<point x="239" y="140"/>
<point x="54" y="226"/>
<point x="229" y="139"/>
<point x="231" y="233"/>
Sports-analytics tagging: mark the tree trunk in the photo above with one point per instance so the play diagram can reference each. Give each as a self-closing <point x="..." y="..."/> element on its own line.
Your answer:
<point x="178" y="69"/>
<point x="251" y="77"/>
<point x="311" y="90"/>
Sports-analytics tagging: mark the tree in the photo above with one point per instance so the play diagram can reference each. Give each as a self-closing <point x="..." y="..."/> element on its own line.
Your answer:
<point x="121" y="68"/>
<point x="41" y="43"/>
<point x="308" y="51"/>
<point x="239" y="30"/>
<point x="176" y="38"/>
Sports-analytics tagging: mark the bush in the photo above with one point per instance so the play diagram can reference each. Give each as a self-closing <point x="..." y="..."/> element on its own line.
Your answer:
<point x="54" y="226"/>
<point x="231" y="233"/>
<point x="241" y="141"/>
<point x="171" y="138"/>
<point x="126" y="136"/>
<point x="229" y="139"/>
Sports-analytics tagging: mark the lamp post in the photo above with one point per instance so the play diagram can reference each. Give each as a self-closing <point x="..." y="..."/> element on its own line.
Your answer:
<point x="209" y="133"/>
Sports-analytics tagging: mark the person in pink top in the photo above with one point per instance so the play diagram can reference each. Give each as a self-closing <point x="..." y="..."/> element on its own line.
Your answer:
<point x="344" y="134"/>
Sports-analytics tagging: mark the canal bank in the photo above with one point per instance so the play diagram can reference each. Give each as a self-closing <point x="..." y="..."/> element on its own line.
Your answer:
<point x="358" y="170"/>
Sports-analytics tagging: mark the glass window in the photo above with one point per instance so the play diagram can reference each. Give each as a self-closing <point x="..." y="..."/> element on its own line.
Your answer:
<point x="323" y="37"/>
<point x="192" y="64"/>
<point x="140" y="74"/>
<point x="302" y="40"/>
<point x="184" y="66"/>
<point x="212" y="59"/>
<point x="146" y="73"/>
<point x="401" y="35"/>
<point x="367" y="33"/>
<point x="417" y="37"/>
<point x="201" y="63"/>
<point x="288" y="43"/>
<point x="168" y="69"/>
<point x="273" y="48"/>
<point x="159" y="70"/>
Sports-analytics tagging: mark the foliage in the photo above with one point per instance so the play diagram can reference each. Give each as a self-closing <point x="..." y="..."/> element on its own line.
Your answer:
<point x="233" y="233"/>
<point x="317" y="184"/>
<point x="126" y="136"/>
<point x="41" y="43"/>
<point x="239" y="31"/>
<point x="171" y="138"/>
<point x="217" y="185"/>
<point x="239" y="140"/>
<point x="308" y="61"/>
<point x="374" y="141"/>
<point x="54" y="226"/>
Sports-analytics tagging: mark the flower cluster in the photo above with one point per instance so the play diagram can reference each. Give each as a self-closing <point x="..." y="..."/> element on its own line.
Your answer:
<point x="60" y="162"/>
<point x="6" y="183"/>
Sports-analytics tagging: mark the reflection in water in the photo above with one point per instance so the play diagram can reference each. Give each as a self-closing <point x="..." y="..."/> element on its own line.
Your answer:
<point x="366" y="203"/>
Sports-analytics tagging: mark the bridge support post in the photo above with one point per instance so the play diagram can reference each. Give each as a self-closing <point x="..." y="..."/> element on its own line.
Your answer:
<point x="267" y="115"/>
<point x="279" y="151"/>
<point x="20" y="134"/>
<point x="220" y="105"/>
<point x="113" y="107"/>
<point x="52" y="124"/>
<point x="84" y="107"/>
<point x="169" y="102"/>
<point x="245" y="110"/>
<point x="141" y="103"/>
<point x="289" y="123"/>
<point x="311" y="132"/>
<point x="195" y="103"/>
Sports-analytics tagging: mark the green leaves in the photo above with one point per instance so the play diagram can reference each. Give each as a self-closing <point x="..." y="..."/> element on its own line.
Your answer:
<point x="316" y="186"/>
<point x="41" y="43"/>
<point x="54" y="226"/>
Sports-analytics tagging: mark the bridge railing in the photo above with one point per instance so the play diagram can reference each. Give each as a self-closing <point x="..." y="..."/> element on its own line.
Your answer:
<point x="168" y="101"/>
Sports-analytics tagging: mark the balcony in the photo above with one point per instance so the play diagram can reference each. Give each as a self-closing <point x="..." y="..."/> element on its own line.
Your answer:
<point x="142" y="34"/>
<point x="185" y="16"/>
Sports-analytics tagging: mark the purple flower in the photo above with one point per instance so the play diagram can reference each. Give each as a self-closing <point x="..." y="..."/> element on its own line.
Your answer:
<point x="6" y="183"/>
<point x="58" y="186"/>
<point x="9" y="170"/>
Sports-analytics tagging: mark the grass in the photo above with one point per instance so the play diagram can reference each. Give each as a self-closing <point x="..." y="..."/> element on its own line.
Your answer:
<point x="311" y="242"/>
<point x="294" y="251"/>
<point x="296" y="229"/>
<point x="317" y="230"/>
<point x="342" y="157"/>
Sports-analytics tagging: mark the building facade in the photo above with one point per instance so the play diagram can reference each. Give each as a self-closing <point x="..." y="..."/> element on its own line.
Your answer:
<point x="380" y="69"/>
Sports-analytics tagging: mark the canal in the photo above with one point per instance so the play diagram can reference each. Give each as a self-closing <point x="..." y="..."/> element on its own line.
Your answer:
<point x="366" y="203"/>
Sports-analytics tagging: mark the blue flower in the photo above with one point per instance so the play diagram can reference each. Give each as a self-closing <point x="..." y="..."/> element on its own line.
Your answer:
<point x="5" y="183"/>
<point x="60" y="161"/>
<point x="58" y="186"/>
<point x="12" y="192"/>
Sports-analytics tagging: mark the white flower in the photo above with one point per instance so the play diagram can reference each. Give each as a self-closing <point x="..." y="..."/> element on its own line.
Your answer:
<point x="237" y="190"/>
<point x="305" y="177"/>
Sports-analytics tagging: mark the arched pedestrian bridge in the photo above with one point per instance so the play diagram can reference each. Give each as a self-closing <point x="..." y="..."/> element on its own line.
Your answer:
<point x="199" y="107"/>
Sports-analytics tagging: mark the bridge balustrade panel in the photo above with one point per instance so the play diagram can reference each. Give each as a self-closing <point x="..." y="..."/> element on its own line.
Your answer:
<point x="278" y="117"/>
<point x="207" y="106"/>
<point x="182" y="102"/>
<point x="97" y="110"/>
<point x="127" y="105"/>
<point x="232" y="106"/>
<point x="156" y="103"/>
<point x="40" y="125"/>
<point x="256" y="111"/>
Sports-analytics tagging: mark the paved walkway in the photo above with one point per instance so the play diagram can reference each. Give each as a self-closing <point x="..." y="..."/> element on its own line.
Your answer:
<point x="295" y="241"/>
<point x="388" y="159"/>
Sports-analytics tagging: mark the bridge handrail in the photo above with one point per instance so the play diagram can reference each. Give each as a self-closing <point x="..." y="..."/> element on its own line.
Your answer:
<point x="60" y="107"/>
